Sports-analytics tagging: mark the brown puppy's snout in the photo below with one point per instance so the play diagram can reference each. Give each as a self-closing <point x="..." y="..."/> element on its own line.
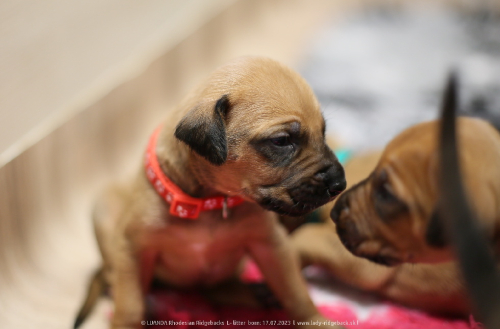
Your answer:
<point x="342" y="204"/>
<point x="356" y="241"/>
<point x="322" y="187"/>
<point x="333" y="177"/>
<point x="346" y="229"/>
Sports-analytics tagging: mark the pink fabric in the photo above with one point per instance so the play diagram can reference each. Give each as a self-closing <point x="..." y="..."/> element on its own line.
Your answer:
<point x="188" y="307"/>
<point x="251" y="273"/>
<point x="395" y="317"/>
<point x="177" y="309"/>
<point x="191" y="307"/>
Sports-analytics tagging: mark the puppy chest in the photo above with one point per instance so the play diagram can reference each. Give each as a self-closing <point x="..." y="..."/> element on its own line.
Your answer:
<point x="199" y="255"/>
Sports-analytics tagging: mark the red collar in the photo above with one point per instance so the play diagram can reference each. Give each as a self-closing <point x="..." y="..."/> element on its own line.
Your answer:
<point x="181" y="204"/>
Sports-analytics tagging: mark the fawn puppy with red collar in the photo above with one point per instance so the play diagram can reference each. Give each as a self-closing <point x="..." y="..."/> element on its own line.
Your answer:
<point x="245" y="147"/>
<point x="387" y="236"/>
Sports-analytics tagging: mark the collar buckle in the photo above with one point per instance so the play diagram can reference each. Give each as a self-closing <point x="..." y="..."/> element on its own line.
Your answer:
<point x="224" y="208"/>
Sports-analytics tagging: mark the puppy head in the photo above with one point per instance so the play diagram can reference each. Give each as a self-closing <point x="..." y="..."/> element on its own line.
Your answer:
<point x="391" y="216"/>
<point x="388" y="218"/>
<point x="255" y="129"/>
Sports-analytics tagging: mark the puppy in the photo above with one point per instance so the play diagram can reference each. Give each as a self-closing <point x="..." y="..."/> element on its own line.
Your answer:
<point x="245" y="147"/>
<point x="435" y="288"/>
<point x="391" y="218"/>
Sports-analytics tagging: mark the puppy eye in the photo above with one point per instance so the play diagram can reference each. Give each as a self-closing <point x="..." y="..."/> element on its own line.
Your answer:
<point x="387" y="205"/>
<point x="383" y="189"/>
<point x="384" y="192"/>
<point x="281" y="141"/>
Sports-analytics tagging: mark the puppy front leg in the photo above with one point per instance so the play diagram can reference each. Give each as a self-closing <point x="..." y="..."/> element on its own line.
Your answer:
<point x="435" y="288"/>
<point x="319" y="244"/>
<point x="280" y="266"/>
<point x="127" y="292"/>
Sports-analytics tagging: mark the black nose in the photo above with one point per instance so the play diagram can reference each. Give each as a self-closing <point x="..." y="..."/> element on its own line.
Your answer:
<point x="341" y="204"/>
<point x="334" y="179"/>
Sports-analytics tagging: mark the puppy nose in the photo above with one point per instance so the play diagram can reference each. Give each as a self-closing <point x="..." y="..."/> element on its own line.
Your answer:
<point x="334" y="179"/>
<point x="335" y="214"/>
<point x="340" y="205"/>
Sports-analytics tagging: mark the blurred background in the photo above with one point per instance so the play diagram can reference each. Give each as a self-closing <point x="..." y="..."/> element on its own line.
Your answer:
<point x="83" y="84"/>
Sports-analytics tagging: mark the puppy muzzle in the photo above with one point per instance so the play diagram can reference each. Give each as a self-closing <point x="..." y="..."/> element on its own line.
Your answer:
<point x="324" y="186"/>
<point x="346" y="228"/>
<point x="352" y="238"/>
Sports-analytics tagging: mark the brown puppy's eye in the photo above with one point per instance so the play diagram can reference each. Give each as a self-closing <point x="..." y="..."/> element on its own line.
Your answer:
<point x="280" y="147"/>
<point x="281" y="141"/>
<point x="384" y="192"/>
<point x="383" y="188"/>
<point x="387" y="204"/>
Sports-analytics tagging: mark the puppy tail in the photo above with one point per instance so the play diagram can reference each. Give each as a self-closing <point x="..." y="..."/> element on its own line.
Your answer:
<point x="97" y="287"/>
<point x="475" y="257"/>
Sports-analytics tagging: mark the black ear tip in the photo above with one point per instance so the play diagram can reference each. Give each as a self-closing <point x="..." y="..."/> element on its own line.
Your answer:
<point x="453" y="81"/>
<point x="222" y="105"/>
<point x="449" y="106"/>
<point x="224" y="100"/>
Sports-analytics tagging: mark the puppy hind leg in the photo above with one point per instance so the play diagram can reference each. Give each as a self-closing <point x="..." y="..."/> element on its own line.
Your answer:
<point x="104" y="216"/>
<point x="120" y="263"/>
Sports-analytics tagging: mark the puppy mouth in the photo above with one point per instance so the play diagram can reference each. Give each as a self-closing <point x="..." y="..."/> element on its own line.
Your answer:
<point x="353" y="241"/>
<point x="296" y="209"/>
<point x="382" y="260"/>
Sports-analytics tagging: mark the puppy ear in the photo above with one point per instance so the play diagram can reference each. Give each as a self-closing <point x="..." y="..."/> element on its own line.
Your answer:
<point x="435" y="235"/>
<point x="204" y="131"/>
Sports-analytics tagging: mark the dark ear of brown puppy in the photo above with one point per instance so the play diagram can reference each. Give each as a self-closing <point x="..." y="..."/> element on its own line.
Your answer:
<point x="475" y="257"/>
<point x="435" y="235"/>
<point x="204" y="131"/>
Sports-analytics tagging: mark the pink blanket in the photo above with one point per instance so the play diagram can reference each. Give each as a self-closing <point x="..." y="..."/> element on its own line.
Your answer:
<point x="338" y="304"/>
